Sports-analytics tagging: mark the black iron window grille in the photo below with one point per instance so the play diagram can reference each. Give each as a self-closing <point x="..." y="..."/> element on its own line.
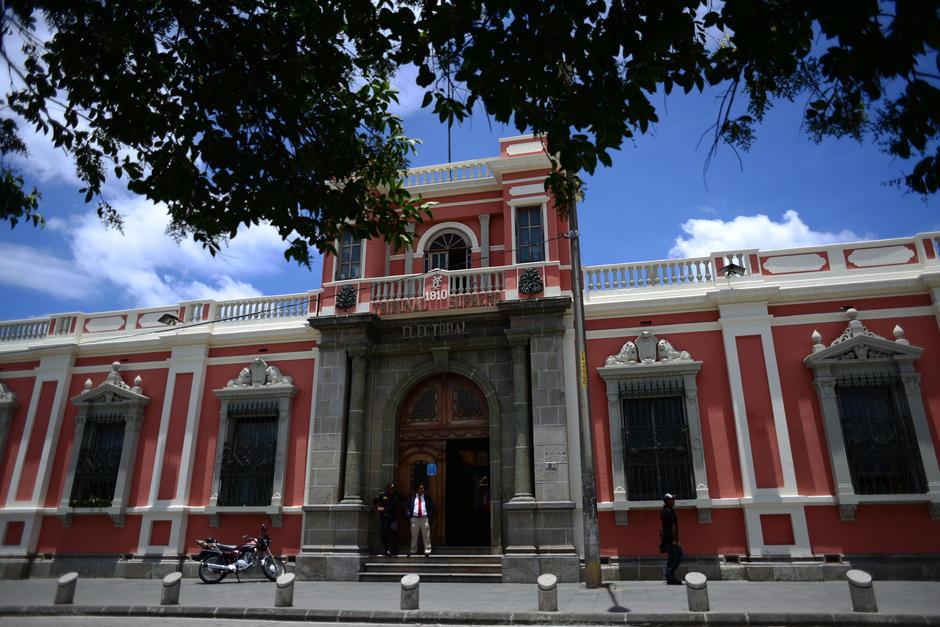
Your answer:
<point x="657" y="455"/>
<point x="879" y="437"/>
<point x="530" y="239"/>
<point x="98" y="461"/>
<point x="247" y="473"/>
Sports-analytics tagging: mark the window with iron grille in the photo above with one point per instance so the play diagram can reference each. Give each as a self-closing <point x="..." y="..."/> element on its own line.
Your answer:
<point x="879" y="440"/>
<point x="350" y="256"/>
<point x="247" y="473"/>
<point x="657" y="456"/>
<point x="530" y="238"/>
<point x="98" y="462"/>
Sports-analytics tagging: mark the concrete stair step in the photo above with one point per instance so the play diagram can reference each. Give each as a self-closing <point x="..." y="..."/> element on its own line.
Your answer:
<point x="434" y="577"/>
<point x="422" y="566"/>
<point x="438" y="559"/>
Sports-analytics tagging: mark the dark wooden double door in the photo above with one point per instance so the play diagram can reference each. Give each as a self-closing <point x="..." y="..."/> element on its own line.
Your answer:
<point x="443" y="443"/>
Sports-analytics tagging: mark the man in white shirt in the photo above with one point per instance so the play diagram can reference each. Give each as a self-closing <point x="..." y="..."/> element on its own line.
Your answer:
<point x="420" y="512"/>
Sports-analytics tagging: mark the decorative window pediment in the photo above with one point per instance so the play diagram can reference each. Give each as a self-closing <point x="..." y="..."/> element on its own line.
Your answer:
<point x="654" y="419"/>
<point x="879" y="441"/>
<point x="857" y="343"/>
<point x="251" y="451"/>
<point x="107" y="427"/>
<point x="647" y="349"/>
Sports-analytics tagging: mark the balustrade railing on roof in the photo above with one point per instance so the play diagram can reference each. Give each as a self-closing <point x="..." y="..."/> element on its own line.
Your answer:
<point x="448" y="172"/>
<point x="263" y="308"/>
<point x="18" y="330"/>
<point x="670" y="272"/>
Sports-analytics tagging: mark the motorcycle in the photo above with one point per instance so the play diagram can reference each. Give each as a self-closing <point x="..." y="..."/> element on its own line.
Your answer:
<point x="218" y="560"/>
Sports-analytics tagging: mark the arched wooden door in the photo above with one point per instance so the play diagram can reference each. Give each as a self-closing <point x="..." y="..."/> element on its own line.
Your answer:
<point x="443" y="442"/>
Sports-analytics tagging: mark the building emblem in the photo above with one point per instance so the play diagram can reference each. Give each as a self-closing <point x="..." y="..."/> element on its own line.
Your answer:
<point x="437" y="292"/>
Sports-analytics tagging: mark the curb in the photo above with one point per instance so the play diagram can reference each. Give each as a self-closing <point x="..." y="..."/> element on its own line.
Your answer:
<point x="732" y="619"/>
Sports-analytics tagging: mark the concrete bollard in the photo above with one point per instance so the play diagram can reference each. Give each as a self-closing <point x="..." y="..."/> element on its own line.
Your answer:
<point x="65" y="592"/>
<point x="548" y="593"/>
<point x="284" y="593"/>
<point x="409" y="592"/>
<point x="170" y="593"/>
<point x="862" y="591"/>
<point x="696" y="589"/>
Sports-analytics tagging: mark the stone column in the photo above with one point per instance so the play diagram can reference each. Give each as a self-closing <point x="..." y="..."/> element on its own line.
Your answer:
<point x="352" y="485"/>
<point x="521" y="422"/>
<point x="484" y="240"/>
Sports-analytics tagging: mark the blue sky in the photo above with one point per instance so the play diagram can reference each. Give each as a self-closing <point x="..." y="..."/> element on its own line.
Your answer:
<point x="653" y="203"/>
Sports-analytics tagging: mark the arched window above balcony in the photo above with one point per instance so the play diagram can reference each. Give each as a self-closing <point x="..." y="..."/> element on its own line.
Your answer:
<point x="448" y="251"/>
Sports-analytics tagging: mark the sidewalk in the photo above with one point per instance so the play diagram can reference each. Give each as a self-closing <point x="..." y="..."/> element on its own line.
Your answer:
<point x="732" y="602"/>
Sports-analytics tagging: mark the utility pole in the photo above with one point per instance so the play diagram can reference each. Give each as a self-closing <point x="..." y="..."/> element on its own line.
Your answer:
<point x="592" y="556"/>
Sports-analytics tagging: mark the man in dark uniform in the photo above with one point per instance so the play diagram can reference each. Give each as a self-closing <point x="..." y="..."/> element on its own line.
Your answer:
<point x="669" y="539"/>
<point x="386" y="504"/>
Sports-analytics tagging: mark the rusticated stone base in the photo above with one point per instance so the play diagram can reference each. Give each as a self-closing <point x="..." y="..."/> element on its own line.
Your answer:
<point x="526" y="568"/>
<point x="329" y="566"/>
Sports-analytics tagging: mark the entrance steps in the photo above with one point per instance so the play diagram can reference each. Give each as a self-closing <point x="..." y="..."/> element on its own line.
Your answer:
<point x="448" y="565"/>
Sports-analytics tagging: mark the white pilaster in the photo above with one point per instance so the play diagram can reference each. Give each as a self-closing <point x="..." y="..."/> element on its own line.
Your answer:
<point x="55" y="368"/>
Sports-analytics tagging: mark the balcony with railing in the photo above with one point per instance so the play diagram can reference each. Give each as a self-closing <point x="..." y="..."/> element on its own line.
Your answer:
<point x="462" y="171"/>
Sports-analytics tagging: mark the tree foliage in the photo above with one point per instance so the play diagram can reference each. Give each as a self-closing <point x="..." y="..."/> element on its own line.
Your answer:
<point x="279" y="110"/>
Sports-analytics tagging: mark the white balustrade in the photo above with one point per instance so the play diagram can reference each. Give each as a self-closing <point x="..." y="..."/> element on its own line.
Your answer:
<point x="396" y="289"/>
<point x="62" y="325"/>
<point x="447" y="173"/>
<point x="195" y="312"/>
<point x="668" y="272"/>
<point x="21" y="330"/>
<point x="459" y="282"/>
<point x="738" y="259"/>
<point x="265" y="308"/>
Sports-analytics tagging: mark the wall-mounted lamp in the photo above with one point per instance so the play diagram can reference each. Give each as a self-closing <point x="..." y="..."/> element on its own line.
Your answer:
<point x="732" y="269"/>
<point x="169" y="320"/>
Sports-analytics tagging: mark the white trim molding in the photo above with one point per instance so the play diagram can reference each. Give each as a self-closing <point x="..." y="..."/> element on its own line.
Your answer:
<point x="428" y="236"/>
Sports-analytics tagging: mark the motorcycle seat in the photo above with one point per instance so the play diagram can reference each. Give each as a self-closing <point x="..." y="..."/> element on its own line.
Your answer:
<point x="227" y="547"/>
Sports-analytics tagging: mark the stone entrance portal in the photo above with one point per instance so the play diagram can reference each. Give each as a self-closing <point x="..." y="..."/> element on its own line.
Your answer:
<point x="475" y="407"/>
<point x="443" y="442"/>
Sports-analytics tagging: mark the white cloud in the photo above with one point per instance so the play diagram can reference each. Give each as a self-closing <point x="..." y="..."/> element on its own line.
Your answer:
<point x="152" y="269"/>
<point x="758" y="231"/>
<point x="31" y="268"/>
<point x="410" y="94"/>
<point x="142" y="266"/>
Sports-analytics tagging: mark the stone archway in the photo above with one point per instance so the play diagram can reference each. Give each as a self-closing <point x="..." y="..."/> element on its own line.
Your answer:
<point x="432" y="442"/>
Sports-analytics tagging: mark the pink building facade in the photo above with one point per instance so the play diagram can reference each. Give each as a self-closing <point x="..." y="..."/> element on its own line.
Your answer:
<point x="791" y="407"/>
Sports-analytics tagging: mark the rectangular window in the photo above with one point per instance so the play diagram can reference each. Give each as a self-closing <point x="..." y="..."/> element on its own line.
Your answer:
<point x="247" y="473"/>
<point x="350" y="255"/>
<point x="879" y="441"/>
<point x="530" y="239"/>
<point x="657" y="456"/>
<point x="98" y="461"/>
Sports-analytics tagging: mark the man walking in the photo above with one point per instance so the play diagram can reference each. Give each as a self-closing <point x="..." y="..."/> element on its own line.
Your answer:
<point x="420" y="512"/>
<point x="669" y="539"/>
<point x="386" y="504"/>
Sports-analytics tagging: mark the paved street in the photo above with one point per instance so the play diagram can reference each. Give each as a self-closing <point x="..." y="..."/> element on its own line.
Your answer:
<point x="894" y="597"/>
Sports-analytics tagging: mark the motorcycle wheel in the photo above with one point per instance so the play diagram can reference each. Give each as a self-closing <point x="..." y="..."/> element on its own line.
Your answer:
<point x="272" y="568"/>
<point x="207" y="574"/>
